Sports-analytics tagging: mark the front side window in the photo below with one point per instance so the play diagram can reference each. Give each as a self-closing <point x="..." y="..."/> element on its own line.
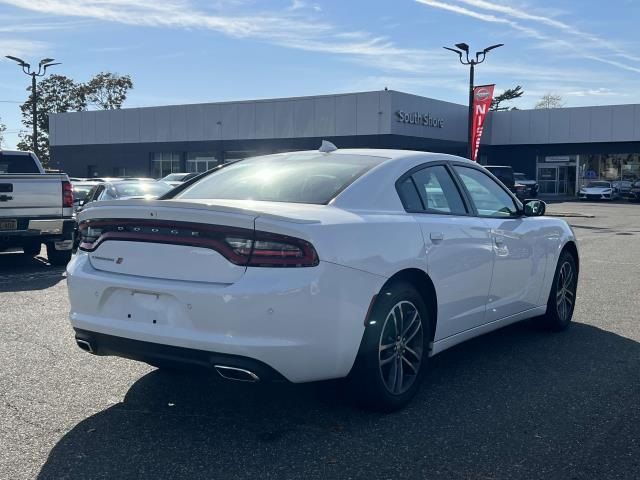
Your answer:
<point x="438" y="192"/>
<point x="490" y="199"/>
<point x="296" y="177"/>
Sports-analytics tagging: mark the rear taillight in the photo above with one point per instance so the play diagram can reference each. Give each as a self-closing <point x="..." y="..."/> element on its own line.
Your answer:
<point x="273" y="250"/>
<point x="240" y="246"/>
<point x="67" y="194"/>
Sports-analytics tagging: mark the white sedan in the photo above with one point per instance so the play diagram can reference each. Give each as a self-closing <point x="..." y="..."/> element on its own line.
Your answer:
<point x="318" y="265"/>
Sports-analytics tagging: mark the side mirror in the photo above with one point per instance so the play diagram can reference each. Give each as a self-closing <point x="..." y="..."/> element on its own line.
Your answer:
<point x="534" y="208"/>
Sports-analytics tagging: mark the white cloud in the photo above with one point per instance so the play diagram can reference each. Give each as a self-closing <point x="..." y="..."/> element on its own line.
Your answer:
<point x="22" y="48"/>
<point x="286" y="28"/>
<point x="513" y="17"/>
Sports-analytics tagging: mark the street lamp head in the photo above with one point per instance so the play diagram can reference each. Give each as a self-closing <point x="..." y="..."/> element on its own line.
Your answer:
<point x="492" y="47"/>
<point x="51" y="64"/>
<point x="463" y="46"/>
<point x="46" y="60"/>
<point x="21" y="62"/>
<point x="453" y="50"/>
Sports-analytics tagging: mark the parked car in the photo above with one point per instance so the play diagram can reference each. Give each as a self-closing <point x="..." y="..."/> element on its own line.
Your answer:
<point x="598" y="190"/>
<point x="81" y="190"/>
<point x="126" y="189"/>
<point x="623" y="187"/>
<point x="506" y="175"/>
<point x="286" y="267"/>
<point x="532" y="186"/>
<point x="35" y="207"/>
<point x="634" y="192"/>
<point x="176" y="179"/>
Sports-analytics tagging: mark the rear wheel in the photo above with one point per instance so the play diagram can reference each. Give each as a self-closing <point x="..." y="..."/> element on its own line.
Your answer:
<point x="562" y="297"/>
<point x="32" y="249"/>
<point x="393" y="355"/>
<point x="57" y="257"/>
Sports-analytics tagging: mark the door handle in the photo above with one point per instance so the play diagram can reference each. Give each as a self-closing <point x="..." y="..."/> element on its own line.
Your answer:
<point x="5" y="198"/>
<point x="436" y="236"/>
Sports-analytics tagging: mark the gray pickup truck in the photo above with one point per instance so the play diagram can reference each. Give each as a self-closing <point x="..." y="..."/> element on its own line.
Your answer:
<point x="35" y="208"/>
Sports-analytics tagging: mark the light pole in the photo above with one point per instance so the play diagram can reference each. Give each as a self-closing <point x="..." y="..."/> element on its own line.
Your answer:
<point x="480" y="57"/>
<point x="42" y="70"/>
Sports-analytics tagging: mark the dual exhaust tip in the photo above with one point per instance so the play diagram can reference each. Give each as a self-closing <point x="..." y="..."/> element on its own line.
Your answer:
<point x="225" y="371"/>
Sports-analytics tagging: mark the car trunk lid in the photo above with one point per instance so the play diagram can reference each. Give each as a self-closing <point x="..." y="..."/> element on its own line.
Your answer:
<point x="158" y="240"/>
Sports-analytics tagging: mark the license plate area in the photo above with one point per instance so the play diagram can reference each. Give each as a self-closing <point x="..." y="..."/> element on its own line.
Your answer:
<point x="142" y="308"/>
<point x="8" y="224"/>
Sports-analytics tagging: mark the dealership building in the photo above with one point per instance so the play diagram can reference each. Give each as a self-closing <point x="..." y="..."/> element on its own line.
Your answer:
<point x="561" y="148"/>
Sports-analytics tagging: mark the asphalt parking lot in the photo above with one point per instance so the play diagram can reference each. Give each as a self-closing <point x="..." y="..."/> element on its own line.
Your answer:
<point x="519" y="403"/>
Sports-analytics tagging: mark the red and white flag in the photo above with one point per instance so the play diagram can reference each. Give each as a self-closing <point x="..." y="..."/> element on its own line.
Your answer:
<point x="482" y="96"/>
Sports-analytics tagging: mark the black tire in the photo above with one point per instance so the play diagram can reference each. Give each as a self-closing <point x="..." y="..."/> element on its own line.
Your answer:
<point x="372" y="379"/>
<point x="58" y="258"/>
<point x="562" y="298"/>
<point x="32" y="249"/>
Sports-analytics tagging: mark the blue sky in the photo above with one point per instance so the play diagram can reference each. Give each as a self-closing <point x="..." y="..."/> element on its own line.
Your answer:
<point x="188" y="51"/>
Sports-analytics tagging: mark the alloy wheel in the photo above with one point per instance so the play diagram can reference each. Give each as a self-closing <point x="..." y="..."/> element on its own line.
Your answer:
<point x="401" y="347"/>
<point x="565" y="292"/>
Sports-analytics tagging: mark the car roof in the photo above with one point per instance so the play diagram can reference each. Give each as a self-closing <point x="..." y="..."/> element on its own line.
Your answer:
<point x="387" y="154"/>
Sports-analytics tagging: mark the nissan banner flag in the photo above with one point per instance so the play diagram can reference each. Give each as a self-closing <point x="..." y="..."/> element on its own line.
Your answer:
<point x="482" y="96"/>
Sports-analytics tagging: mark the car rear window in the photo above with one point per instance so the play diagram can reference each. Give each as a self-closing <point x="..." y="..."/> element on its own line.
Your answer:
<point x="141" y="189"/>
<point x="12" y="163"/>
<point x="297" y="178"/>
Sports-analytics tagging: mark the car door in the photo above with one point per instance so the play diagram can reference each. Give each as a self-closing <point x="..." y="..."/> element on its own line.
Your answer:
<point x="518" y="245"/>
<point x="458" y="246"/>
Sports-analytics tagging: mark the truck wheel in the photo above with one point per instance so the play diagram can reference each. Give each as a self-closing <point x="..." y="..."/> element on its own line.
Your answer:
<point x="31" y="249"/>
<point x="58" y="257"/>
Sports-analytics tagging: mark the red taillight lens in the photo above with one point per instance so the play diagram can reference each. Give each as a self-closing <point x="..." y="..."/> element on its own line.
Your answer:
<point x="67" y="195"/>
<point x="240" y="246"/>
<point x="274" y="250"/>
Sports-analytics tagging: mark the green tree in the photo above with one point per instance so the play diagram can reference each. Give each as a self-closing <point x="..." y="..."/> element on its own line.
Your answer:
<point x="59" y="94"/>
<point x="55" y="94"/>
<point x="507" y="95"/>
<point x="26" y="144"/>
<point x="550" y="100"/>
<point x="107" y="90"/>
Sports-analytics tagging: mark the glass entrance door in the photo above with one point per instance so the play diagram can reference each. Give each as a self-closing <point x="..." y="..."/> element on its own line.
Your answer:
<point x="562" y="181"/>
<point x="548" y="180"/>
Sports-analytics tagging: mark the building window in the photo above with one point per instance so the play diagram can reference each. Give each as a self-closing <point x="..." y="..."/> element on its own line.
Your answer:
<point x="164" y="163"/>
<point x="119" y="172"/>
<point x="198" y="162"/>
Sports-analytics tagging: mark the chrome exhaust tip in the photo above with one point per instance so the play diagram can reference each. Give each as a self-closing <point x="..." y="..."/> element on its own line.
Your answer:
<point x="84" y="345"/>
<point x="237" y="374"/>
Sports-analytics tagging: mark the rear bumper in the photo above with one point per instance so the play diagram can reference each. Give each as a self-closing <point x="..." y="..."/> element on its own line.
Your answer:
<point x="41" y="230"/>
<point x="304" y="323"/>
<point x="167" y="355"/>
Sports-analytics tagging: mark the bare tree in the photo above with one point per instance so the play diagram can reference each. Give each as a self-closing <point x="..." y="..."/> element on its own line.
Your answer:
<point x="550" y="100"/>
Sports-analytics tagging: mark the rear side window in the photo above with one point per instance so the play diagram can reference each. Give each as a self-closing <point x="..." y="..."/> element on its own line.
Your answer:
<point x="437" y="191"/>
<point x="409" y="195"/>
<point x="297" y="178"/>
<point x="12" y="163"/>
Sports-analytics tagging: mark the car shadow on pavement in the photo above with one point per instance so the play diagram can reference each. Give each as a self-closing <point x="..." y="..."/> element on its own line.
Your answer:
<point x="19" y="272"/>
<point x="517" y="403"/>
